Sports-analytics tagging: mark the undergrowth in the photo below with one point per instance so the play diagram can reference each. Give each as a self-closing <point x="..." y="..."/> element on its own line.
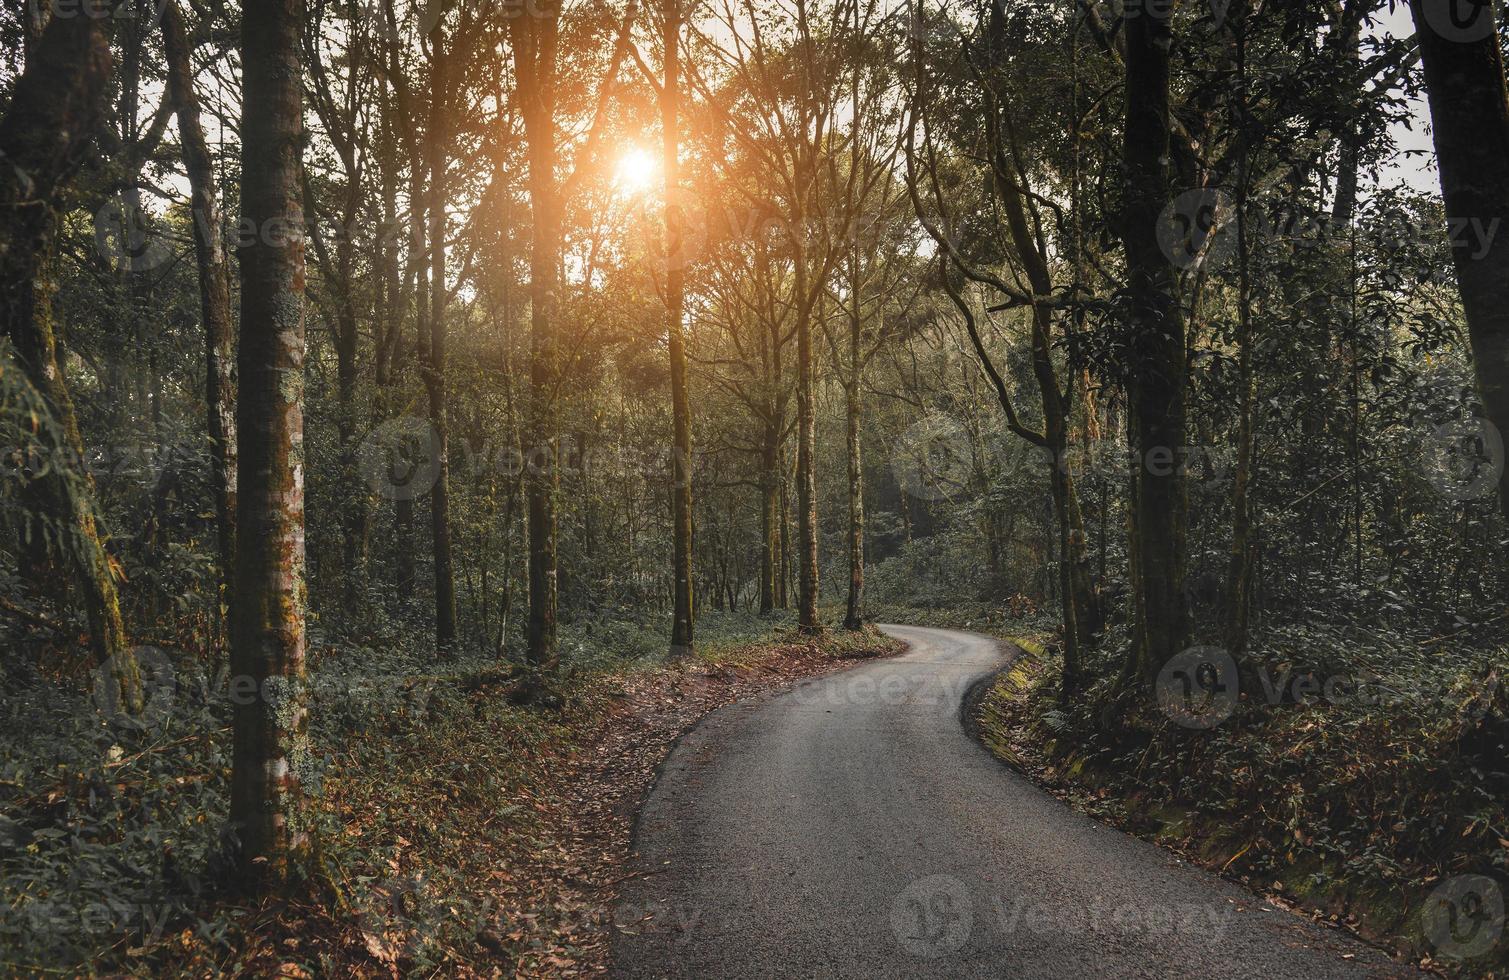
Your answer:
<point x="429" y="804"/>
<point x="1356" y="773"/>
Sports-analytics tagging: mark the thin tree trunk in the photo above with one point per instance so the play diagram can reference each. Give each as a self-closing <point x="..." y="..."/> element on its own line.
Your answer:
<point x="675" y="302"/>
<point x="772" y="479"/>
<point x="403" y="508"/>
<point x="785" y="578"/>
<point x="214" y="287"/>
<point x="806" y="451"/>
<point x="770" y="520"/>
<point x="267" y="624"/>
<point x="1239" y="569"/>
<point x="445" y="581"/>
<point x="854" y="617"/>
<point x="55" y="106"/>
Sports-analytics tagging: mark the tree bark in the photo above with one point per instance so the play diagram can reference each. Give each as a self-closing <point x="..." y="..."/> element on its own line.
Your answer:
<point x="806" y="451"/>
<point x="675" y="303"/>
<point x="214" y="287"/>
<point x="535" y="40"/>
<point x="55" y="106"/>
<point x="854" y="617"/>
<point x="770" y="519"/>
<point x="270" y="750"/>
<point x="1156" y="382"/>
<point x="1239" y="567"/>
<point x="445" y="579"/>
<point x="1469" y="111"/>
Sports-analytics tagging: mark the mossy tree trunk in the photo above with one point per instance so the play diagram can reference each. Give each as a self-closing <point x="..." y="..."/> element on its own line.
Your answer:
<point x="55" y="108"/>
<point x="268" y="607"/>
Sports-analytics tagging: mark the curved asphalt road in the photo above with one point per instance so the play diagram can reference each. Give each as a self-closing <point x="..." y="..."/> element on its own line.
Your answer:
<point x="851" y="828"/>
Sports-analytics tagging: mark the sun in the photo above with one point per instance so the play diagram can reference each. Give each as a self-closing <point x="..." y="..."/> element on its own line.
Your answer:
<point x="636" y="171"/>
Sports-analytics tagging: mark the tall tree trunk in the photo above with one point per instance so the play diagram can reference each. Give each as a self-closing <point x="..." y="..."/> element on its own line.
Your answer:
<point x="214" y="287"/>
<point x="770" y="519"/>
<point x="772" y="478"/>
<point x="55" y="106"/>
<point x="675" y="302"/>
<point x="1156" y="383"/>
<point x="806" y="451"/>
<point x="267" y="624"/>
<point x="1469" y="111"/>
<point x="854" y="616"/>
<point x="535" y="41"/>
<point x="1239" y="568"/>
<point x="353" y="509"/>
<point x="391" y="294"/>
<point x="403" y="508"/>
<point x="445" y="580"/>
<point x="785" y="578"/>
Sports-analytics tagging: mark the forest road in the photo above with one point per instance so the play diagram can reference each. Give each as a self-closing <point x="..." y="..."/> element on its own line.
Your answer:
<point x="850" y="827"/>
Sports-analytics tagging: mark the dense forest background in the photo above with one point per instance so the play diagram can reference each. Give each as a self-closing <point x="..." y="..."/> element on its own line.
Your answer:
<point x="389" y="356"/>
